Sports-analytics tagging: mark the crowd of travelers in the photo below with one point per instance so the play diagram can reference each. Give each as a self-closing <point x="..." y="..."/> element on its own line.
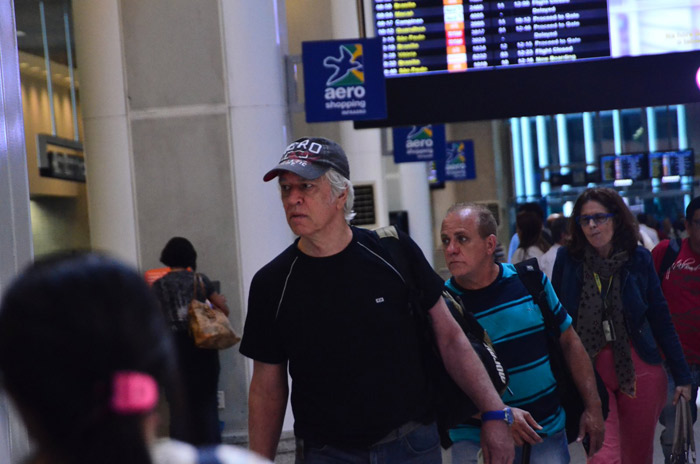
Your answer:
<point x="340" y="325"/>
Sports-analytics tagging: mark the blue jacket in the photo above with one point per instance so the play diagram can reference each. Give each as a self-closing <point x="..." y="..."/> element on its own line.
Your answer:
<point x="646" y="313"/>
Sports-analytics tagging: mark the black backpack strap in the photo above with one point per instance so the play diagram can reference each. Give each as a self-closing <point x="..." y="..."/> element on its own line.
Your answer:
<point x="389" y="239"/>
<point x="570" y="398"/>
<point x="531" y="276"/>
<point x="451" y="405"/>
<point x="466" y="320"/>
<point x="396" y="257"/>
<point x="672" y="251"/>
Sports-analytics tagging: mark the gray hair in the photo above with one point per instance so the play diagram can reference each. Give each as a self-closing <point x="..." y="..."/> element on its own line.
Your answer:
<point x="485" y="222"/>
<point x="339" y="184"/>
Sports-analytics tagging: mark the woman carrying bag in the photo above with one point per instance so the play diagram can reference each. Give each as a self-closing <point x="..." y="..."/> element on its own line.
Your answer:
<point x="608" y="284"/>
<point x="199" y="367"/>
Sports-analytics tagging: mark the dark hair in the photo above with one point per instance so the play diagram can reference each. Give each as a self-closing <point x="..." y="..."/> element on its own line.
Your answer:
<point x="179" y="252"/>
<point x="530" y="230"/>
<point x="691" y="208"/>
<point x="532" y="207"/>
<point x="67" y="324"/>
<point x="485" y="221"/>
<point x="626" y="232"/>
<point x="558" y="228"/>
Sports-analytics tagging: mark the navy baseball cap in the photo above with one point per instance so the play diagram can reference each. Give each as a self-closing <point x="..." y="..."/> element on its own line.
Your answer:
<point x="310" y="158"/>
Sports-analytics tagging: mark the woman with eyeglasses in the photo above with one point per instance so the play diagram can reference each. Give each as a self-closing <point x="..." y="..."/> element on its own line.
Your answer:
<point x="608" y="285"/>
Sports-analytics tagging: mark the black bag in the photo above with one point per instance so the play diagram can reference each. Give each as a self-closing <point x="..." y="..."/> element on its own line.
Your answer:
<point x="449" y="395"/>
<point x="569" y="396"/>
<point x="683" y="449"/>
<point x="452" y="406"/>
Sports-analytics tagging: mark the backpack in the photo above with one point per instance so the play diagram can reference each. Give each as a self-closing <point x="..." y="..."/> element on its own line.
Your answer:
<point x="569" y="396"/>
<point x="451" y="405"/>
<point x="672" y="251"/>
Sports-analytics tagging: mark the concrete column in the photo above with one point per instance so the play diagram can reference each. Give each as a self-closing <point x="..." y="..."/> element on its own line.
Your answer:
<point x="15" y="227"/>
<point x="108" y="154"/>
<point x="259" y="131"/>
<point x="415" y="198"/>
<point x="258" y="125"/>
<point x="184" y="110"/>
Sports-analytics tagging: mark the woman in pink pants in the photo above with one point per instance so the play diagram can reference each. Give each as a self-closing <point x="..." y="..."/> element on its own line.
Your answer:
<point x="608" y="284"/>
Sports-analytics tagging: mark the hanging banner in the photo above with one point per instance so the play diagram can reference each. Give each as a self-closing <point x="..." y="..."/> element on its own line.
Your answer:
<point x="419" y="143"/>
<point x="459" y="160"/>
<point x="343" y="80"/>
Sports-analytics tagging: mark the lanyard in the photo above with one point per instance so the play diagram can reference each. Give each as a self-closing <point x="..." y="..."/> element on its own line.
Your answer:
<point x="604" y="296"/>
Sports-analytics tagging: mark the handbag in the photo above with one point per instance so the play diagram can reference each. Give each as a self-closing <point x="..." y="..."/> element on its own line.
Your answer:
<point x="210" y="327"/>
<point x="683" y="449"/>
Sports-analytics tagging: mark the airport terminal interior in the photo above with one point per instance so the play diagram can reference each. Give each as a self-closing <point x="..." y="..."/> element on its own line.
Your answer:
<point x="126" y="122"/>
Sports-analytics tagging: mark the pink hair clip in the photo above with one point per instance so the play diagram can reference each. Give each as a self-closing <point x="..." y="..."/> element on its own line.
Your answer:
<point x="133" y="393"/>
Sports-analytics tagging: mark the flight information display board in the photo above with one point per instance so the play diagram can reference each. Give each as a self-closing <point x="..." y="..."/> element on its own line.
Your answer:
<point x="463" y="60"/>
<point x="425" y="36"/>
<point x="671" y="163"/>
<point x="630" y="166"/>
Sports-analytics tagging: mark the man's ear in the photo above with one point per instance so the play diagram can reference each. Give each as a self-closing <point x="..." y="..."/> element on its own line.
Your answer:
<point x="491" y="244"/>
<point x="342" y="198"/>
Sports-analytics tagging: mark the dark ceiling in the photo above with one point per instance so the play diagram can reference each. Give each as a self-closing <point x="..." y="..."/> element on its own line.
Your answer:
<point x="30" y="39"/>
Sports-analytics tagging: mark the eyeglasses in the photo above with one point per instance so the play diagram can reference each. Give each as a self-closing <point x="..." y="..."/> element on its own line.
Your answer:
<point x="599" y="219"/>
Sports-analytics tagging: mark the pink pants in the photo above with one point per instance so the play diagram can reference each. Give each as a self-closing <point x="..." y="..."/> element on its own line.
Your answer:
<point x="629" y="428"/>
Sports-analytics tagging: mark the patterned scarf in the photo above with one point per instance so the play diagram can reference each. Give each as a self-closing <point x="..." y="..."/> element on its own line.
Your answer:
<point x="592" y="313"/>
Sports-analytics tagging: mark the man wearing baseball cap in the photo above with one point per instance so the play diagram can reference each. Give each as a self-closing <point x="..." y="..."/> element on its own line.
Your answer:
<point x="331" y="310"/>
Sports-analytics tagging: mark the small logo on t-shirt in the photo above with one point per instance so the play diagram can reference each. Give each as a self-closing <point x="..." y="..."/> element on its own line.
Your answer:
<point x="379" y="300"/>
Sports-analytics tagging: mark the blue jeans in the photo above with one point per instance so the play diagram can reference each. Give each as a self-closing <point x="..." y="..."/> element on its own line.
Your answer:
<point x="420" y="446"/>
<point x="552" y="450"/>
<point x="668" y="415"/>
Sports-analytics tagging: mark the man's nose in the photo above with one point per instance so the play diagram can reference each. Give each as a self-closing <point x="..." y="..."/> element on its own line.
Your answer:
<point x="294" y="196"/>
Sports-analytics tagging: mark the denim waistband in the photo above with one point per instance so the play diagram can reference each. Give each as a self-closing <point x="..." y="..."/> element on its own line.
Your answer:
<point x="399" y="432"/>
<point x="395" y="434"/>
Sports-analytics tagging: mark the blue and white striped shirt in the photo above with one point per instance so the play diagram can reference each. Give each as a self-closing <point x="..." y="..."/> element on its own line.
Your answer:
<point x="516" y="326"/>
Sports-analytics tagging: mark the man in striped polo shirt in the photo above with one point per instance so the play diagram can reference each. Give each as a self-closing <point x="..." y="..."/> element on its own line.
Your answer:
<point x="494" y="293"/>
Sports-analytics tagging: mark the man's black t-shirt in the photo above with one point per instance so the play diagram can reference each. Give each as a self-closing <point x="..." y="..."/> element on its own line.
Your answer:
<point x="342" y="323"/>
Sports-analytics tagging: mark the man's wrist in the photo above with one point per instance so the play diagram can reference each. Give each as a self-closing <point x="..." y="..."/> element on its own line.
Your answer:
<point x="597" y="404"/>
<point x="505" y="415"/>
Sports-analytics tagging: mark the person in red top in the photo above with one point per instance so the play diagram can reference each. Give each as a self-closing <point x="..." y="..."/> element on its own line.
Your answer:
<point x="680" y="283"/>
